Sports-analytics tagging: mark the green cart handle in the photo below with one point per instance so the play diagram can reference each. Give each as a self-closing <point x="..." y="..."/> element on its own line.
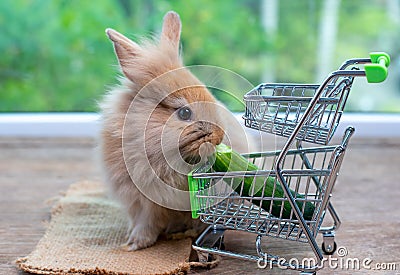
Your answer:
<point x="377" y="71"/>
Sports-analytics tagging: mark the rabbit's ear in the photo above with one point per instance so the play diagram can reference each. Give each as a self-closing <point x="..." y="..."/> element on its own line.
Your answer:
<point x="125" y="49"/>
<point x="171" y="29"/>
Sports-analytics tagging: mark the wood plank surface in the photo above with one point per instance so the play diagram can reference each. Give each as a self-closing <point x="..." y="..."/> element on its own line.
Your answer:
<point x="366" y="196"/>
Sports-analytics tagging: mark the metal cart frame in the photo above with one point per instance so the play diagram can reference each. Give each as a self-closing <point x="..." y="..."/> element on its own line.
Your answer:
<point x="301" y="113"/>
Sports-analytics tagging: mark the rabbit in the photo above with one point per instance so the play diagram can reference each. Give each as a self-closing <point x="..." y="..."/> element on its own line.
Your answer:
<point x="156" y="125"/>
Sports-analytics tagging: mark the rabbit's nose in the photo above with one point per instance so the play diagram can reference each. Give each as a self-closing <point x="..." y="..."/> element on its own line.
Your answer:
<point x="217" y="134"/>
<point x="213" y="132"/>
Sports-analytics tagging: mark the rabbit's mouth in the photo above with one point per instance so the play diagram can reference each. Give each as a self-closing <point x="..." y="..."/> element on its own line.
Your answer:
<point x="197" y="146"/>
<point x="200" y="155"/>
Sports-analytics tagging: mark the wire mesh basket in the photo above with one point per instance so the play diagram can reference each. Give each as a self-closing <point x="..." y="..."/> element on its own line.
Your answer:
<point x="309" y="173"/>
<point x="277" y="109"/>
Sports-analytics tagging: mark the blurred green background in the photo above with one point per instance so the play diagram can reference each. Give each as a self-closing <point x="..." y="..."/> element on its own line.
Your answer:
<point x="55" y="55"/>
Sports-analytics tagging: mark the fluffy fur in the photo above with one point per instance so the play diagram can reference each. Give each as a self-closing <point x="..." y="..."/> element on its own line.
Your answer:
<point x="147" y="148"/>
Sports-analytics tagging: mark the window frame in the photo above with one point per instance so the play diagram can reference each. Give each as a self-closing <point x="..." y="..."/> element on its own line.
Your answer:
<point x="87" y="125"/>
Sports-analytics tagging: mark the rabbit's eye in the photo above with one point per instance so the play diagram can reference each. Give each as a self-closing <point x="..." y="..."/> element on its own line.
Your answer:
<point x="185" y="113"/>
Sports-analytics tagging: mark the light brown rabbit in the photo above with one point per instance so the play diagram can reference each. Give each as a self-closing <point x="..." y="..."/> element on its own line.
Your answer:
<point x="156" y="125"/>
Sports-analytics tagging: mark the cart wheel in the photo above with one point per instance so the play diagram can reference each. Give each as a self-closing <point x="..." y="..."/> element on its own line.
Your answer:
<point x="329" y="250"/>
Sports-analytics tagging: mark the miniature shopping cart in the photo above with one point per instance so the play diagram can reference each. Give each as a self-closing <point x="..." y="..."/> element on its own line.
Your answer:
<point x="307" y="174"/>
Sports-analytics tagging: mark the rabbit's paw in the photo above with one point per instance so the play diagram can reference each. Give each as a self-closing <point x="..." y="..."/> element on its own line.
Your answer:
<point x="140" y="238"/>
<point x="190" y="233"/>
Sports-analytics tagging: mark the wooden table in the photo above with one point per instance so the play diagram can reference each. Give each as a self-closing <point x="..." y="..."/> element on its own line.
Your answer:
<point x="366" y="196"/>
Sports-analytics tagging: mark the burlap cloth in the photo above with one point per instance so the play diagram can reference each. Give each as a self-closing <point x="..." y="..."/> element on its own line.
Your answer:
<point x="86" y="235"/>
